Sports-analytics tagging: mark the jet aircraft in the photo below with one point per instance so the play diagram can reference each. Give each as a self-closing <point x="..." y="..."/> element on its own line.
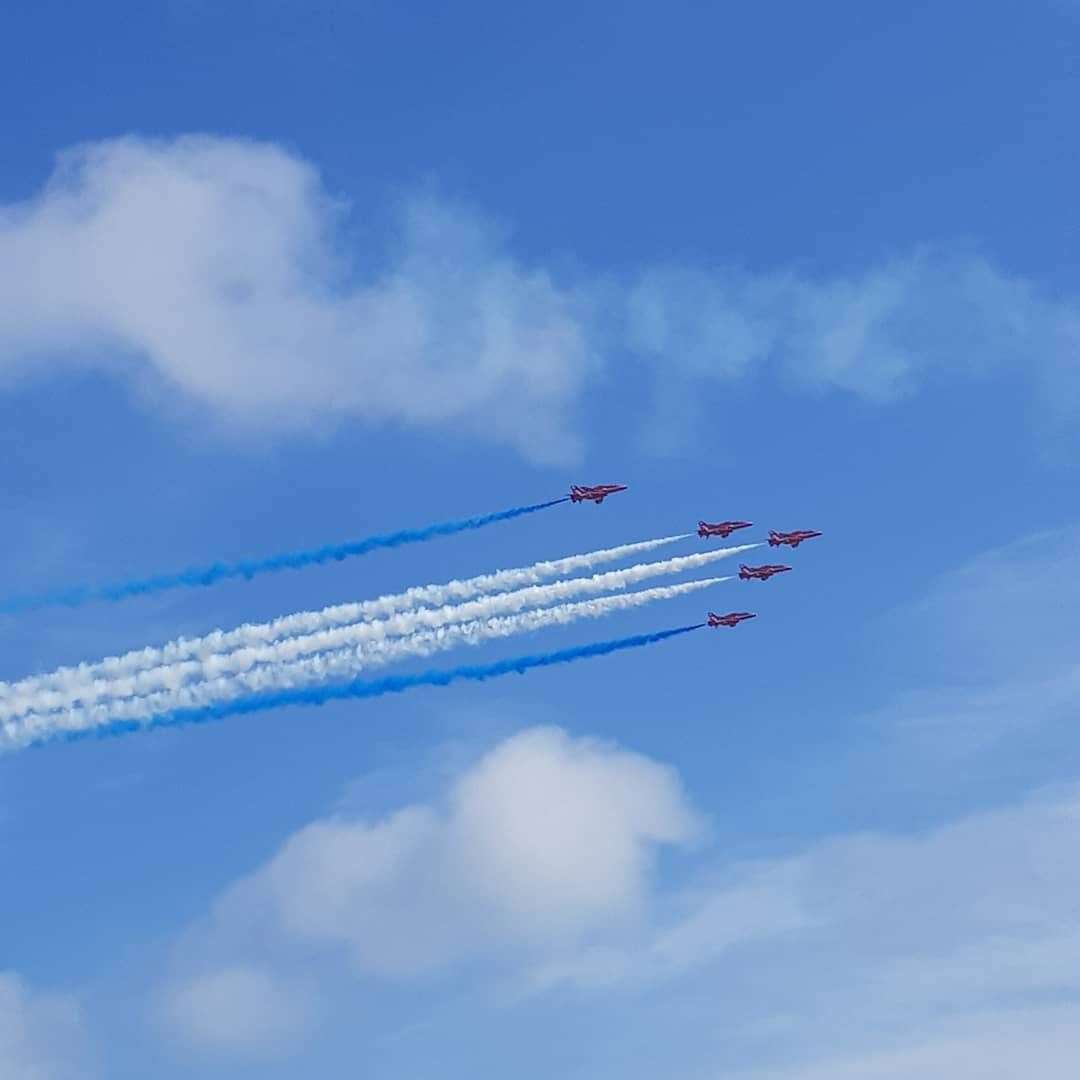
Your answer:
<point x="597" y="494"/>
<point x="732" y="618"/>
<point x="794" y="539"/>
<point x="721" y="528"/>
<point x="760" y="573"/>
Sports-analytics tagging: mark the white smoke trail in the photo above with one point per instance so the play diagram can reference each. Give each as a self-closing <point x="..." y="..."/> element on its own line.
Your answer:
<point x="305" y="622"/>
<point x="172" y="676"/>
<point x="334" y="664"/>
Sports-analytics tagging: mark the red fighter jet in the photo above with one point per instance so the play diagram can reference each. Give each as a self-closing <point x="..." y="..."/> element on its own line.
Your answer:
<point x="597" y="494"/>
<point x="721" y="528"/>
<point x="794" y="539"/>
<point x="732" y="618"/>
<point x="760" y="573"/>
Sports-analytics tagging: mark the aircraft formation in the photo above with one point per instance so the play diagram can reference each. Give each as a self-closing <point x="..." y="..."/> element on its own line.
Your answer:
<point x="722" y="529"/>
<point x="311" y="657"/>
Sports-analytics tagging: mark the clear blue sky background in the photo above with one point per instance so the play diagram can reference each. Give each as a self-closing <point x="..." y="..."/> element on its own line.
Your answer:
<point x="912" y="678"/>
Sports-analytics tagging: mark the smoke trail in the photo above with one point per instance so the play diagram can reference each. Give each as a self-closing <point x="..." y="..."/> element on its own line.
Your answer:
<point x="249" y="568"/>
<point x="361" y="688"/>
<point x="335" y="664"/>
<point x="303" y="622"/>
<point x="171" y="676"/>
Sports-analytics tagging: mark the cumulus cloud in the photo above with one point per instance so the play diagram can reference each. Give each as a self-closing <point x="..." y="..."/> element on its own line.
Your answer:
<point x="41" y="1035"/>
<point x="240" y="1010"/>
<point x="545" y="839"/>
<point x="544" y="842"/>
<point x="216" y="267"/>
<point x="859" y="955"/>
<point x="215" y="264"/>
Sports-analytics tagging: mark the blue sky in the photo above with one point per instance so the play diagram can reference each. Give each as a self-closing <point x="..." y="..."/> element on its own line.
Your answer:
<point x="278" y="275"/>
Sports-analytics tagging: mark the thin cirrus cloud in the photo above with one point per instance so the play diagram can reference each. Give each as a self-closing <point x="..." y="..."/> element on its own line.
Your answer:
<point x="996" y="649"/>
<point x="1043" y="1042"/>
<point x="870" y="955"/>
<point x="215" y="266"/>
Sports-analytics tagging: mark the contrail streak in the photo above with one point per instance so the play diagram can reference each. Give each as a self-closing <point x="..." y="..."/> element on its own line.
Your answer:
<point x="337" y="663"/>
<point x="361" y="688"/>
<point x="219" y="641"/>
<point x="249" y="568"/>
<point x="171" y="676"/>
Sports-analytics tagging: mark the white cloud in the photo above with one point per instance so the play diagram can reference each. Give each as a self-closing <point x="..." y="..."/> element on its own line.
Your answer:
<point x="215" y="267"/>
<point x="1005" y="611"/>
<point x="996" y="641"/>
<point x="878" y="334"/>
<point x="864" y="954"/>
<point x="558" y="833"/>
<point x="943" y="891"/>
<point x="544" y="839"/>
<point x="874" y="952"/>
<point x="41" y="1035"/>
<point x="239" y="1010"/>
<point x="944" y="951"/>
<point x="214" y="263"/>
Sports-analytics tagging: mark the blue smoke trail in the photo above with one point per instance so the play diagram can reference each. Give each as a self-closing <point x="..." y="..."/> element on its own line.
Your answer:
<point x="368" y="688"/>
<point x="248" y="568"/>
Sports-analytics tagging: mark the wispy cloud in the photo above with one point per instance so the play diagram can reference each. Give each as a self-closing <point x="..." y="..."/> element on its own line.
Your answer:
<point x="42" y="1036"/>
<point x="996" y="647"/>
<point x="244" y="1011"/>
<point x="217" y="267"/>
<point x="878" y="333"/>
<point x="994" y="1045"/>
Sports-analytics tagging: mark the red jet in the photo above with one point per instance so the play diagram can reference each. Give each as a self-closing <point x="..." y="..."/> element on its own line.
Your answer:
<point x="794" y="539"/>
<point x="760" y="573"/>
<point x="596" y="494"/>
<point x="721" y="528"/>
<point x="733" y="618"/>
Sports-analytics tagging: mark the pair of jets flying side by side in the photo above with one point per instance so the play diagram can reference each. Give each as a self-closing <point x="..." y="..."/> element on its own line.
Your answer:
<point x="599" y="492"/>
<point x="705" y="529"/>
<point x="776" y="539"/>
